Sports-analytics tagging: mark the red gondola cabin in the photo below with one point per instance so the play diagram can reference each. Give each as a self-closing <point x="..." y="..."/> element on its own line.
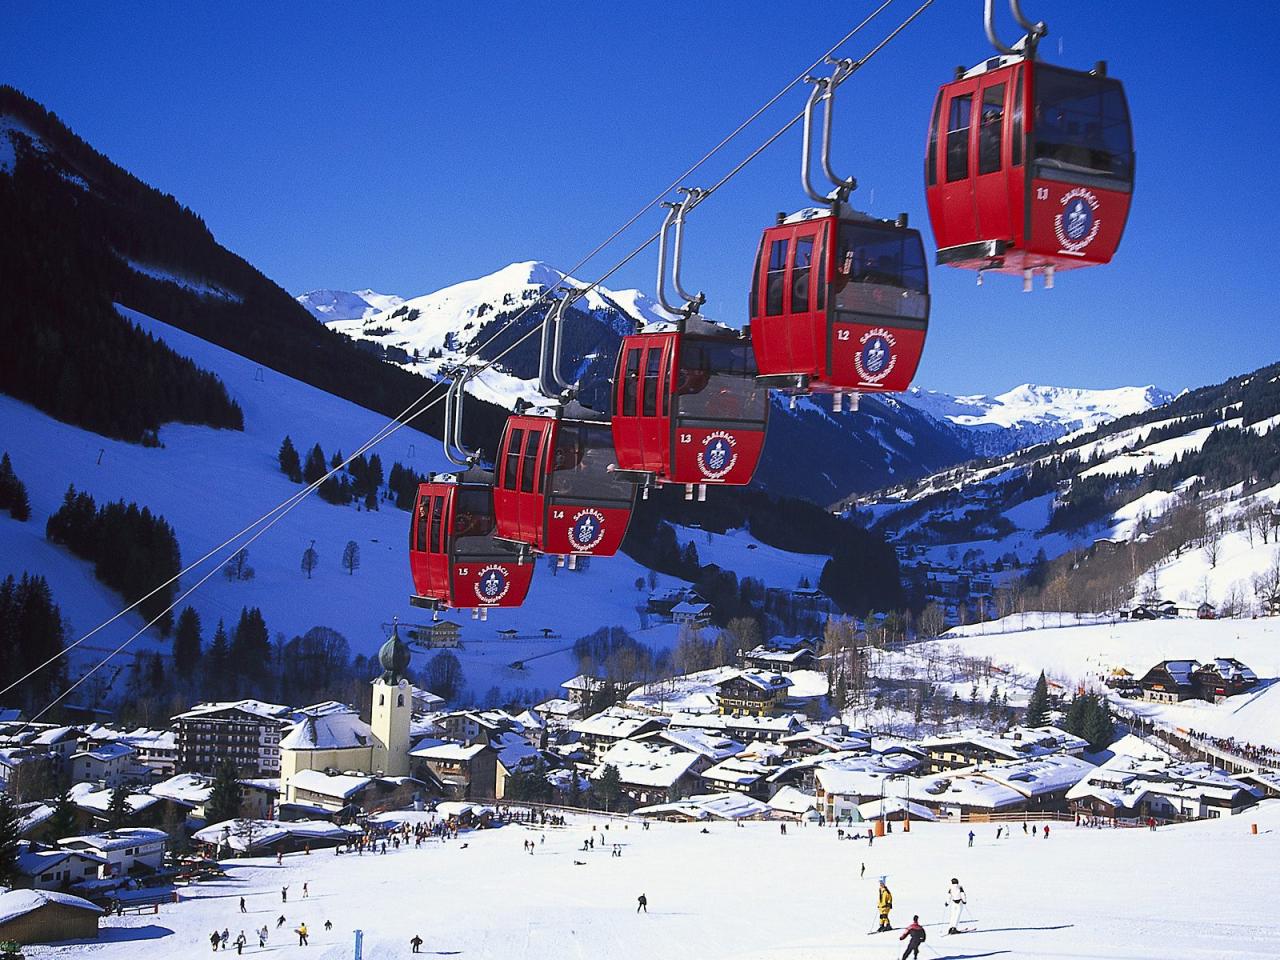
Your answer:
<point x="556" y="490"/>
<point x="455" y="555"/>
<point x="687" y="408"/>
<point x="1029" y="167"/>
<point x="839" y="303"/>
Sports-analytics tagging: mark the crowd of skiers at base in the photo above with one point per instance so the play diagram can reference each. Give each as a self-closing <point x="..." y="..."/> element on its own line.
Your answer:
<point x="914" y="934"/>
<point x="219" y="940"/>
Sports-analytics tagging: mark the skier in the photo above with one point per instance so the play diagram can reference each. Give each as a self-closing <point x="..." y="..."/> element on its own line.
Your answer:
<point x="956" y="900"/>
<point x="262" y="937"/>
<point x="1024" y="826"/>
<point x="328" y="925"/>
<point x="862" y="872"/>
<point x="999" y="830"/>
<point x="884" y="903"/>
<point x="1046" y="831"/>
<point x="243" y="909"/>
<point x="284" y="894"/>
<point x="224" y="937"/>
<point x="280" y="921"/>
<point x="240" y="942"/>
<point x="302" y="935"/>
<point x="917" y="935"/>
<point x="305" y="892"/>
<point x="416" y="943"/>
<point x="971" y="838"/>
<point x="214" y="940"/>
<point x="642" y="903"/>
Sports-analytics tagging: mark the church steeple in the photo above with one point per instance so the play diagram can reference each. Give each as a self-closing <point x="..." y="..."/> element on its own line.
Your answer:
<point x="394" y="657"/>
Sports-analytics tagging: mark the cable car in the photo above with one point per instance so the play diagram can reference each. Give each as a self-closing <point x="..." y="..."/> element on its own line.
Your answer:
<point x="687" y="408"/>
<point x="557" y="491"/>
<point x="839" y="299"/>
<point x="455" y="554"/>
<point x="1029" y="167"/>
<point x="839" y="303"/>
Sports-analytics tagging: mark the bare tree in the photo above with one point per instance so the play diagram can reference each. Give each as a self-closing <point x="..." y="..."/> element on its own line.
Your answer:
<point x="1213" y="542"/>
<point x="309" y="559"/>
<point x="932" y="621"/>
<point x="351" y="557"/>
<point x="237" y="568"/>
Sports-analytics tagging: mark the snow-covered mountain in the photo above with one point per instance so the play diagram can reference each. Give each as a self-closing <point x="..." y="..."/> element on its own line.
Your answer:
<point x="1031" y="413"/>
<point x="329" y="306"/>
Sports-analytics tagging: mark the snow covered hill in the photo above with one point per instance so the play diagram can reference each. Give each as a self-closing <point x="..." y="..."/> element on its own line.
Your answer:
<point x="1030" y="414"/>
<point x="210" y="483"/>
<point x="329" y="306"/>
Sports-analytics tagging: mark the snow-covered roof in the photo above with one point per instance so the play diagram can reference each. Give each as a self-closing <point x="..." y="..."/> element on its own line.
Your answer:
<point x="340" y="785"/>
<point x="448" y="750"/>
<point x="186" y="788"/>
<point x="583" y="682"/>
<point x="721" y="806"/>
<point x="684" y="606"/>
<point x="615" y="722"/>
<point x="965" y="790"/>
<point x="710" y="745"/>
<point x="54" y="735"/>
<point x="1179" y="670"/>
<point x="559" y="707"/>
<point x="646" y="764"/>
<point x="874" y="809"/>
<point x="32" y="863"/>
<point x="787" y="723"/>
<point x="793" y="800"/>
<point x="768" y="682"/>
<point x="238" y="834"/>
<point x="106" y="752"/>
<point x="1125" y="780"/>
<point x="259" y="708"/>
<point x="18" y="903"/>
<point x="1040" y="775"/>
<point x="828" y="740"/>
<point x="328" y="731"/>
<point x="31" y="815"/>
<point x="742" y="771"/>
<point x="115" y="839"/>
<point x="322" y="709"/>
<point x="87" y="797"/>
<point x="513" y="749"/>
<point x="777" y="656"/>
<point x="1230" y="668"/>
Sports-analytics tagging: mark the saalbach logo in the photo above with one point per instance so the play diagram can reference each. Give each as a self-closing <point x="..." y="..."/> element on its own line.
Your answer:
<point x="718" y="454"/>
<point x="875" y="359"/>
<point x="1077" y="223"/>
<point x="492" y="584"/>
<point x="587" y="529"/>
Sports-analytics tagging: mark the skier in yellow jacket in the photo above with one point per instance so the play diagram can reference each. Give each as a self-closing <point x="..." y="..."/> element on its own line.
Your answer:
<point x="884" y="903"/>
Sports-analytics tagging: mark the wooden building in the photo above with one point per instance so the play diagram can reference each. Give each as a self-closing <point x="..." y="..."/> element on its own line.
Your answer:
<point x="44" y="916"/>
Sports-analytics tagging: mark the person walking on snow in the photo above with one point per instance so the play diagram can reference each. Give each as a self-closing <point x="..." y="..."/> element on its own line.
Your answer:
<point x="306" y="892"/>
<point x="284" y="894"/>
<point x="240" y="942"/>
<point x="1046" y="831"/>
<point x="642" y="903"/>
<point x="416" y="943"/>
<point x="884" y="903"/>
<point x="956" y="900"/>
<point x="917" y="937"/>
<point x="262" y="937"/>
<point x="302" y="935"/>
<point x="242" y="906"/>
<point x="971" y="838"/>
<point x="214" y="940"/>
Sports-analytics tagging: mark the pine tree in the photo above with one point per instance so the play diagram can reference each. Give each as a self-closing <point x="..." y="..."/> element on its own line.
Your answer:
<point x="1037" y="714"/>
<point x="63" y="822"/>
<point x="1099" y="728"/>
<point x="315" y="467"/>
<point x="217" y="664"/>
<point x="224" y="800"/>
<point x="8" y="840"/>
<point x="609" y="786"/>
<point x="251" y="643"/>
<point x="118" y="807"/>
<point x="290" y="464"/>
<point x="186" y="644"/>
<point x="20" y="507"/>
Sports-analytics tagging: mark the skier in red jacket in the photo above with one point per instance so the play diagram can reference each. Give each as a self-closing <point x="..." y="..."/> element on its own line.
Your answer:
<point x="917" y="935"/>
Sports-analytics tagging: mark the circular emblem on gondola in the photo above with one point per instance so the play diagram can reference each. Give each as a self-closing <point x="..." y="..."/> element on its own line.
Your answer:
<point x="492" y="584"/>
<point x="1076" y="224"/>
<point x="587" y="529"/>
<point x="718" y="454"/>
<point x="875" y="358"/>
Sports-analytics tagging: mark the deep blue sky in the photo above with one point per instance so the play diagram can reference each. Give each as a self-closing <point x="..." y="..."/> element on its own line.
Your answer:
<point x="412" y="145"/>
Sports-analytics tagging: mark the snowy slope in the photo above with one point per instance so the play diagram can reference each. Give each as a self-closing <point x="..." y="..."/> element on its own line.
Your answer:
<point x="1085" y="653"/>
<point x="329" y="306"/>
<point x="210" y="483"/>
<point x="720" y="891"/>
<point x="1031" y="413"/>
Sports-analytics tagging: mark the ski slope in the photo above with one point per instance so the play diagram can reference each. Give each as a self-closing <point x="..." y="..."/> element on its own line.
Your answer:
<point x="728" y="893"/>
<point x="211" y="483"/>
<point x="1084" y="653"/>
